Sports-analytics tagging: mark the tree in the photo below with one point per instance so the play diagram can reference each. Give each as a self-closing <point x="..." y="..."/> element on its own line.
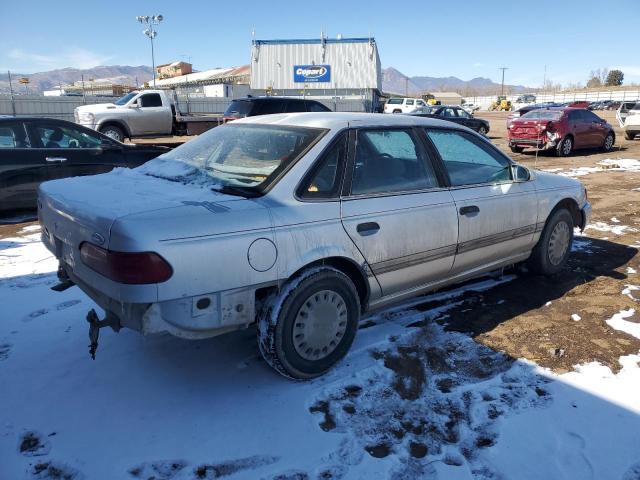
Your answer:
<point x="614" y="78"/>
<point x="594" y="82"/>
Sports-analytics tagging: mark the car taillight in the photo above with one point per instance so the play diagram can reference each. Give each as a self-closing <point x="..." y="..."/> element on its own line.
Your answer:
<point x="133" y="268"/>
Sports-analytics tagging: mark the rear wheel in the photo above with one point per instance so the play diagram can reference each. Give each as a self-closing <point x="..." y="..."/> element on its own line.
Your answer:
<point x="482" y="130"/>
<point x="565" y="147"/>
<point x="517" y="149"/>
<point x="397" y="111"/>
<point x="608" y="142"/>
<point x="550" y="254"/>
<point x="630" y="135"/>
<point x="311" y="325"/>
<point x="113" y="131"/>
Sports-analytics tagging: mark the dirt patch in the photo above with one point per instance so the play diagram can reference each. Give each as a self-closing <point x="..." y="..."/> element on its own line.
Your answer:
<point x="33" y="444"/>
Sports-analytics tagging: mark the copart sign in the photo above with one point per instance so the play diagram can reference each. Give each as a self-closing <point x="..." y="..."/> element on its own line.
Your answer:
<point x="311" y="73"/>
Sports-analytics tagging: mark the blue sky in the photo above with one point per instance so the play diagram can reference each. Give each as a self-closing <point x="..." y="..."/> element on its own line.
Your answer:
<point x="436" y="38"/>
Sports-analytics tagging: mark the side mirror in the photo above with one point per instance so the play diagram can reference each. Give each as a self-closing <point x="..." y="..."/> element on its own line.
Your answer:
<point x="520" y="173"/>
<point x="135" y="104"/>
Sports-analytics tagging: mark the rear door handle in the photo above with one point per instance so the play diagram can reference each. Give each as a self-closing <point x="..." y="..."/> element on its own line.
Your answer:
<point x="55" y="159"/>
<point x="469" y="209"/>
<point x="368" y="228"/>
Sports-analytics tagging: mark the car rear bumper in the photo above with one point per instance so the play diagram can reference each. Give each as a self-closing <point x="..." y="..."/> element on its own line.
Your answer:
<point x="544" y="142"/>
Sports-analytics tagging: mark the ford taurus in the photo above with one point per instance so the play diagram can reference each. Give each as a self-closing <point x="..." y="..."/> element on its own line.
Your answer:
<point x="301" y="223"/>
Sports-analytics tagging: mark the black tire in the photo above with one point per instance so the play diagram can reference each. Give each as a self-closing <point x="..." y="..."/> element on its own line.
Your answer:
<point x="609" y="140"/>
<point x="397" y="111"/>
<point x="630" y="135"/>
<point x="565" y="147"/>
<point x="542" y="261"/>
<point x="517" y="149"/>
<point x="482" y="130"/>
<point x="277" y="323"/>
<point x="114" y="132"/>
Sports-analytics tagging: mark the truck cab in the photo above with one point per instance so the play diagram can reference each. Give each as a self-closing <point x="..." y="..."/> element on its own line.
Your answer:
<point x="137" y="114"/>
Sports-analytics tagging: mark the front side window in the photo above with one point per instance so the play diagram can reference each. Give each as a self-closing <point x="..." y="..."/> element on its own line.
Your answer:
<point x="409" y="102"/>
<point x="238" y="156"/>
<point x="325" y="179"/>
<point x="467" y="161"/>
<point x="57" y="136"/>
<point x="462" y="113"/>
<point x="390" y="161"/>
<point x="12" y="135"/>
<point x="150" y="100"/>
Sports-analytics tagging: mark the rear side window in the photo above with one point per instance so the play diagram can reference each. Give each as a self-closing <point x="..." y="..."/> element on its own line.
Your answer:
<point x="409" y="102"/>
<point x="467" y="161"/>
<point x="12" y="135"/>
<point x="296" y="106"/>
<point x="390" y="161"/>
<point x="240" y="108"/>
<point x="317" y="107"/>
<point x="270" y="107"/>
<point x="325" y="179"/>
<point x="395" y="101"/>
<point x="150" y="100"/>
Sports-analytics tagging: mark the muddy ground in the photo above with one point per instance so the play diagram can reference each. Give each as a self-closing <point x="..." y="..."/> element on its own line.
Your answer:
<point x="531" y="317"/>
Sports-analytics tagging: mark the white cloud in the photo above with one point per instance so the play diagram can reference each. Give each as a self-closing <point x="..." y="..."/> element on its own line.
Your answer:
<point x="478" y="64"/>
<point x="74" y="57"/>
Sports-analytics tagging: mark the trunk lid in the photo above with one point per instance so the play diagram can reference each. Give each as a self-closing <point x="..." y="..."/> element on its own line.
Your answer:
<point x="520" y="128"/>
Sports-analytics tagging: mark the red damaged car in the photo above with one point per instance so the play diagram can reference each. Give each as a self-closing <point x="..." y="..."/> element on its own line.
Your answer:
<point x="562" y="129"/>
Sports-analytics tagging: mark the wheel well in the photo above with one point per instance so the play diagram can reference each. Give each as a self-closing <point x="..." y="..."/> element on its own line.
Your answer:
<point x="346" y="266"/>
<point x="115" y="123"/>
<point x="572" y="206"/>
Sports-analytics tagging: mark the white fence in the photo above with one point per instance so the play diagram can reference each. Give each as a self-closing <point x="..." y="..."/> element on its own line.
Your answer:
<point x="62" y="107"/>
<point x="560" y="97"/>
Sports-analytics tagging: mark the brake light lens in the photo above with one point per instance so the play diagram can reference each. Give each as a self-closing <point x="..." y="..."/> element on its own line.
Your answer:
<point x="132" y="268"/>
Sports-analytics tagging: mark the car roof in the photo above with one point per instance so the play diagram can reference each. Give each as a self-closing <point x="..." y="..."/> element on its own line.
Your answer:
<point x="32" y="119"/>
<point x="339" y="120"/>
<point x="273" y="99"/>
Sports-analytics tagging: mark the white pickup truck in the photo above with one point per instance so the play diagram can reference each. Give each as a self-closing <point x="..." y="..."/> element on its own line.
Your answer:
<point x="146" y="113"/>
<point x="628" y="116"/>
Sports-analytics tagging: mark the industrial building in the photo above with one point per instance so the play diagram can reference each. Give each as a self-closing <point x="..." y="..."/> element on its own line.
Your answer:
<point x="329" y="68"/>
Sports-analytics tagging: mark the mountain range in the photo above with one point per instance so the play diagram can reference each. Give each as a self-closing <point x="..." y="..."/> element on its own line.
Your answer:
<point x="393" y="80"/>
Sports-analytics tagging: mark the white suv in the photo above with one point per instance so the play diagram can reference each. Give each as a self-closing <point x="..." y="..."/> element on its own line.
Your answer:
<point x="629" y="119"/>
<point x="405" y="105"/>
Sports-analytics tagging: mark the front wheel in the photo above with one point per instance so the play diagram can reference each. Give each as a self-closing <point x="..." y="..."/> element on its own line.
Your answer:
<point x="311" y="324"/>
<point x="517" y="149"/>
<point x="608" y="142"/>
<point x="113" y="132"/>
<point x="482" y="130"/>
<point x="565" y="147"/>
<point x="551" y="252"/>
<point x="630" y="135"/>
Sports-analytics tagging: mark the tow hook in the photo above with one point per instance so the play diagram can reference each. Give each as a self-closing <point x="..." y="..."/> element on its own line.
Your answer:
<point x="95" y="324"/>
<point x="65" y="281"/>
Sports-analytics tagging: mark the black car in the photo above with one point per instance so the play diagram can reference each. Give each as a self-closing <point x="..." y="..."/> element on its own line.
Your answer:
<point x="34" y="150"/>
<point x="457" y="115"/>
<point x="252" y="106"/>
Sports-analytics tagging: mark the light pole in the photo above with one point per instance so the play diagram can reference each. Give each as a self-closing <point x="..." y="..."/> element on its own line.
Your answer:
<point x="151" y="32"/>
<point x="502" y="88"/>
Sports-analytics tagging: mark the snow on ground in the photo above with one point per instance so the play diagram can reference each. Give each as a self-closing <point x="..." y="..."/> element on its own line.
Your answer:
<point x="615" y="229"/>
<point x="608" y="164"/>
<point x="411" y="400"/>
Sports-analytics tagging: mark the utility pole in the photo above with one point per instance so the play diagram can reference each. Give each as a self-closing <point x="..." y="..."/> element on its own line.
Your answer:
<point x="544" y="79"/>
<point x="502" y="88"/>
<point x="13" y="100"/>
<point x="150" y="22"/>
<point x="406" y="86"/>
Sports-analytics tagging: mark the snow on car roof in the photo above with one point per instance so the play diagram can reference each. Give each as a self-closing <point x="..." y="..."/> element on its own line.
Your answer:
<point x="336" y="120"/>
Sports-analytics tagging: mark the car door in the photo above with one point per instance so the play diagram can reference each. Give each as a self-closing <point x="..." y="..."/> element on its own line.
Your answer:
<point x="72" y="151"/>
<point x="465" y="119"/>
<point x="22" y="170"/>
<point x="396" y="209"/>
<point x="597" y="128"/>
<point x="579" y="128"/>
<point x="150" y="117"/>
<point x="497" y="216"/>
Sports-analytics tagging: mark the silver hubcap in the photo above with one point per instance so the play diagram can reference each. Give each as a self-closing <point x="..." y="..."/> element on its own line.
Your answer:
<point x="559" y="242"/>
<point x="320" y="325"/>
<point x="482" y="131"/>
<point x="608" y="142"/>
<point x="566" y="147"/>
<point x="112" y="134"/>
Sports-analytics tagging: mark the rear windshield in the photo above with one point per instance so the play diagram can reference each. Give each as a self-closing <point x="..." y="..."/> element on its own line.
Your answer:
<point x="395" y="101"/>
<point x="239" y="108"/>
<point x="543" y="114"/>
<point x="242" y="156"/>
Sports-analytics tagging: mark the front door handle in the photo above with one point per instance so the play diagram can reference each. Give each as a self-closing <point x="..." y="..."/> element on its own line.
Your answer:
<point x="469" y="209"/>
<point x="55" y="159"/>
<point x="368" y="228"/>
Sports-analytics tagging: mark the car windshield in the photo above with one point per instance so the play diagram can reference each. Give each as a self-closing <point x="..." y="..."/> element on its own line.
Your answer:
<point x="234" y="158"/>
<point x="543" y="114"/>
<point x="124" y="100"/>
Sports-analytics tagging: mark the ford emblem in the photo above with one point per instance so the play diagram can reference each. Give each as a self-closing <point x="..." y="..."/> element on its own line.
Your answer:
<point x="97" y="238"/>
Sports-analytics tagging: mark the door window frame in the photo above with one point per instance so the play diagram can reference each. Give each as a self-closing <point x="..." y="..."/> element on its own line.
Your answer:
<point x="427" y="156"/>
<point x="479" y="142"/>
<point x="30" y="127"/>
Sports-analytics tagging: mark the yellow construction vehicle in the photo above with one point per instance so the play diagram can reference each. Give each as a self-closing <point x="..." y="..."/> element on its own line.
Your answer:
<point x="430" y="99"/>
<point x="501" y="104"/>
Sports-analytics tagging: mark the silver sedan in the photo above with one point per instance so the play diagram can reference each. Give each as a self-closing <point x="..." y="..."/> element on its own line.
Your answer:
<point x="299" y="224"/>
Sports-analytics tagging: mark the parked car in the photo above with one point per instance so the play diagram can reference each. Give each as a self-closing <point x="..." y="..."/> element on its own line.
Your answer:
<point x="300" y="224"/>
<point x="527" y="108"/>
<point x="458" y="115"/>
<point x="34" y="150"/>
<point x="405" y="105"/>
<point x="253" y="106"/>
<point x="526" y="99"/>
<point x="147" y="113"/>
<point x="577" y="104"/>
<point x="628" y="116"/>
<point x="470" y="107"/>
<point x="562" y="129"/>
